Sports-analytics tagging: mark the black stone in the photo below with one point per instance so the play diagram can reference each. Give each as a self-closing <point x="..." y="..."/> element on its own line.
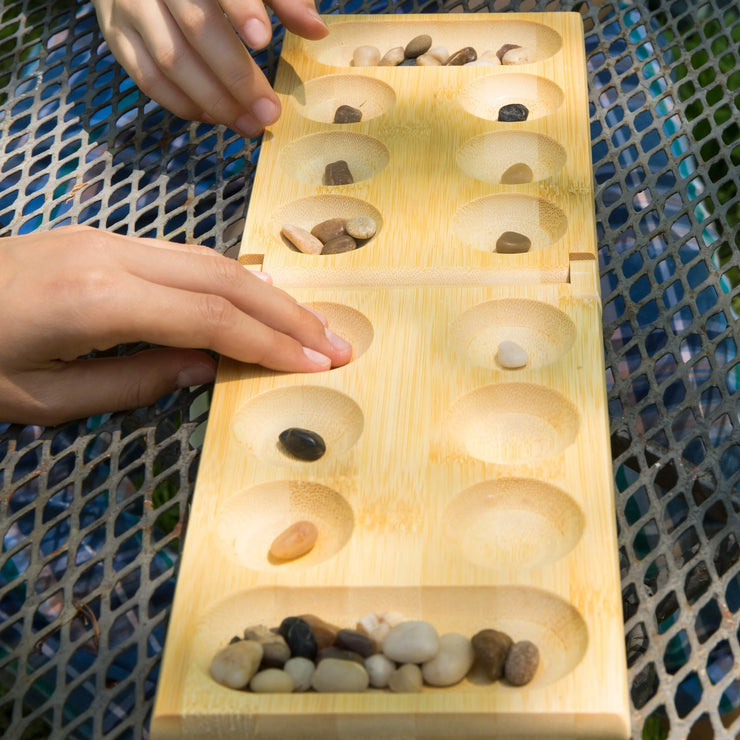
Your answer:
<point x="338" y="173"/>
<point x="302" y="444"/>
<point x="513" y="113"/>
<point x="299" y="637"/>
<point x="347" y="114"/>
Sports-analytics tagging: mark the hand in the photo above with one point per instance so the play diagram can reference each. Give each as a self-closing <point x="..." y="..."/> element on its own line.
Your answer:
<point x="66" y="292"/>
<point x="186" y="55"/>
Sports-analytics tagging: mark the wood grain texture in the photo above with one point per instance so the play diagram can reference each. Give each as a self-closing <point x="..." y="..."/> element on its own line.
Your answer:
<point x="452" y="489"/>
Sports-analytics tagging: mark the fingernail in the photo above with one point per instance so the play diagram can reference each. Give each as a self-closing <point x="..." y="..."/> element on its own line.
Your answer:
<point x="266" y="111"/>
<point x="263" y="276"/>
<point x="316" y="314"/>
<point x="247" y="126"/>
<point x="256" y="34"/>
<point x="315" y="14"/>
<point x="317" y="357"/>
<point x="195" y="375"/>
<point x="339" y="344"/>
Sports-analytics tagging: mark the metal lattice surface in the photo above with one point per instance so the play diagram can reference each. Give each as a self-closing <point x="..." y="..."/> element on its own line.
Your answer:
<point x="93" y="513"/>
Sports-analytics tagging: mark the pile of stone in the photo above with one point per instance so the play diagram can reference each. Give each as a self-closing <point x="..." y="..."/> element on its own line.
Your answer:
<point x="420" y="52"/>
<point x="383" y="651"/>
<point x="332" y="236"/>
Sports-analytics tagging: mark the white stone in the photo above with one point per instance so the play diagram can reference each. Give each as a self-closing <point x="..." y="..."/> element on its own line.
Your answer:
<point x="393" y="57"/>
<point x="452" y="663"/>
<point x="440" y="53"/>
<point x="406" y="680"/>
<point x="411" y="642"/>
<point x="490" y="56"/>
<point x="521" y="55"/>
<point x="234" y="665"/>
<point x="365" y="56"/>
<point x="427" y="60"/>
<point x="361" y="227"/>
<point x="511" y="356"/>
<point x="271" y="681"/>
<point x="303" y="240"/>
<point x="379" y="669"/>
<point x="334" y="675"/>
<point x="300" y="670"/>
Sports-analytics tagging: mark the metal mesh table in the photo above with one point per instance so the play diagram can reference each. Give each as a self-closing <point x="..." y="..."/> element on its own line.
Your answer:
<point x="94" y="512"/>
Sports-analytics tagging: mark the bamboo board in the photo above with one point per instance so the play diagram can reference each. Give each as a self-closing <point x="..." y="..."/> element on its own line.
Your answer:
<point x="452" y="490"/>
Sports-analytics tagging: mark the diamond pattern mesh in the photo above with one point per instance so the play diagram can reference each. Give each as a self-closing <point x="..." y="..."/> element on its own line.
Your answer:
<point x="93" y="513"/>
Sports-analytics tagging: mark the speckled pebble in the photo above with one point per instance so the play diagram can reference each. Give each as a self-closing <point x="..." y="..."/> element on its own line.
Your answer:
<point x="513" y="113"/>
<point x="294" y="542"/>
<point x="393" y="57"/>
<point x="406" y="680"/>
<point x="329" y="229"/>
<point x="361" y="227"/>
<point x="512" y="242"/>
<point x="332" y="675"/>
<point x="517" y="174"/>
<point x="411" y="642"/>
<point x="234" y="665"/>
<point x="452" y="663"/>
<point x="365" y="56"/>
<point x="300" y="670"/>
<point x="464" y="56"/>
<point x="347" y="114"/>
<point x="511" y="356"/>
<point x="521" y="663"/>
<point x="338" y="173"/>
<point x="491" y="647"/>
<point x="418" y="46"/>
<point x="379" y="669"/>
<point x="271" y="681"/>
<point x="301" y="239"/>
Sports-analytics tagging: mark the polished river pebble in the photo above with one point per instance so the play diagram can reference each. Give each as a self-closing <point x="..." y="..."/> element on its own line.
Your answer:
<point x="294" y="542"/>
<point x="302" y="444"/>
<point x="329" y="659"/>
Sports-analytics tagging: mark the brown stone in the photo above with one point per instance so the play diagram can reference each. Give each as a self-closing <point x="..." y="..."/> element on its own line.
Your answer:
<point x="329" y="229"/>
<point x="339" y="654"/>
<point x="301" y="239"/>
<point x="464" y="56"/>
<point x="418" y="46"/>
<point x="491" y="648"/>
<point x="517" y="174"/>
<point x="512" y="242"/>
<point x="506" y="47"/>
<point x="338" y="173"/>
<point x="521" y="663"/>
<point x="347" y="114"/>
<point x="339" y="245"/>
<point x="324" y="632"/>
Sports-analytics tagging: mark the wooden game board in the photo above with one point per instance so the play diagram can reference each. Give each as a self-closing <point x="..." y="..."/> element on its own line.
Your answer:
<point x="452" y="490"/>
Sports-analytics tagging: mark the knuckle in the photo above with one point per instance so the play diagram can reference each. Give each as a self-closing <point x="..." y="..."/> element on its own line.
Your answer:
<point x="213" y="311"/>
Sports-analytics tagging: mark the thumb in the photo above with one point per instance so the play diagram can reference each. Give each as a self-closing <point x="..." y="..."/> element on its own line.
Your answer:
<point x="87" y="387"/>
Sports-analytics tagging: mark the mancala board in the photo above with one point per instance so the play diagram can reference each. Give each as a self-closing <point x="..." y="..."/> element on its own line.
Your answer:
<point x="453" y="490"/>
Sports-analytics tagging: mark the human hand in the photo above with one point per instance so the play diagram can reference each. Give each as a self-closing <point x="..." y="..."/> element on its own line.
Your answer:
<point x="187" y="55"/>
<point x="67" y="292"/>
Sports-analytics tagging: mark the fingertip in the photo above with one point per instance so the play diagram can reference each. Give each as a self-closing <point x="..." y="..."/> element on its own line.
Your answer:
<point x="197" y="374"/>
<point x="256" y="34"/>
<point x="322" y="362"/>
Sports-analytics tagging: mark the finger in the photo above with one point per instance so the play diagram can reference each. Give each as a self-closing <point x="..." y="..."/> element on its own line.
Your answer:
<point x="86" y="387"/>
<point x="300" y="17"/>
<point x="242" y="289"/>
<point x="188" y="69"/>
<point x="136" y="310"/>
<point x="212" y="38"/>
<point x="131" y="52"/>
<point x="251" y="20"/>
